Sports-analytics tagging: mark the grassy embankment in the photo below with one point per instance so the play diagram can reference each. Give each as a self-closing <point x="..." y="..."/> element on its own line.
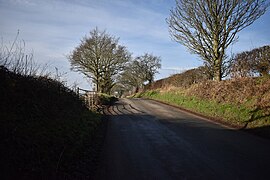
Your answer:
<point x="239" y="102"/>
<point x="46" y="130"/>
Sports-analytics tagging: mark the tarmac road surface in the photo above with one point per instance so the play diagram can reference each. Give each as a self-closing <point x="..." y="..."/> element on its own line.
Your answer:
<point x="149" y="140"/>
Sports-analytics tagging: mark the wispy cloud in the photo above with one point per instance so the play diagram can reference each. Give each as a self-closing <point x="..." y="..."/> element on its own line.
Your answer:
<point x="23" y="2"/>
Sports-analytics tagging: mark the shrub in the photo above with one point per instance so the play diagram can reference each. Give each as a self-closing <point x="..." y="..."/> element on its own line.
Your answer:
<point x="44" y="126"/>
<point x="105" y="99"/>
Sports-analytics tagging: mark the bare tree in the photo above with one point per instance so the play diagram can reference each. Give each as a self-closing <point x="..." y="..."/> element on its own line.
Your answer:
<point x="131" y="78"/>
<point x="261" y="60"/>
<point x="148" y="65"/>
<point x="208" y="27"/>
<point x="141" y="70"/>
<point x="241" y="65"/>
<point x="99" y="57"/>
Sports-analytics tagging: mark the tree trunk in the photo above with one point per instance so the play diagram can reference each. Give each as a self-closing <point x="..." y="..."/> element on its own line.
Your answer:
<point x="137" y="89"/>
<point x="217" y="70"/>
<point x="218" y="58"/>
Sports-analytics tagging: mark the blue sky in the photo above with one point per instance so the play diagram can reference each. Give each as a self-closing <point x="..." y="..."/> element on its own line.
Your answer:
<point x="53" y="28"/>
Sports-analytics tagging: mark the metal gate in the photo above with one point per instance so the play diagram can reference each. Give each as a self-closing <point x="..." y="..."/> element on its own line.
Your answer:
<point x="89" y="97"/>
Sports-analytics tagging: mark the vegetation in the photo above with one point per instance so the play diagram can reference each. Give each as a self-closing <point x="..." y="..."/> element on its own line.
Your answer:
<point x="106" y="99"/>
<point x="47" y="130"/>
<point x="17" y="60"/>
<point x="207" y="28"/>
<point x="243" y="102"/>
<point x="251" y="63"/>
<point x="139" y="71"/>
<point x="148" y="66"/>
<point x="44" y="127"/>
<point x="100" y="58"/>
<point x="184" y="79"/>
<point x="236" y="115"/>
<point x="110" y="65"/>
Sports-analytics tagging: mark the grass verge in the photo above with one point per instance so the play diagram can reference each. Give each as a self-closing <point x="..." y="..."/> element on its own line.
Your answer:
<point x="239" y="115"/>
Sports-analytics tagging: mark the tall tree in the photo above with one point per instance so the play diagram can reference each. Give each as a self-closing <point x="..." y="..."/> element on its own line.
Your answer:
<point x="99" y="57"/>
<point x="208" y="27"/>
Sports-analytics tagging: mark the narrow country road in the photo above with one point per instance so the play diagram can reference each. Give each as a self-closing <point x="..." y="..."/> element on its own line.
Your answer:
<point x="149" y="140"/>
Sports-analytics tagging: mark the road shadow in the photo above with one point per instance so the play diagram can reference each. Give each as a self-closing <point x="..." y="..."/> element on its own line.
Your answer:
<point x="143" y="145"/>
<point x="263" y="132"/>
<point x="118" y="108"/>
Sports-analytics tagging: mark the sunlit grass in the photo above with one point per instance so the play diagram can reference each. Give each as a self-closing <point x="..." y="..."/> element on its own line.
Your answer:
<point x="230" y="113"/>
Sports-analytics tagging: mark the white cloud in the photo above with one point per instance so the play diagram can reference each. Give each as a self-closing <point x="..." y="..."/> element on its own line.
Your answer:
<point x="179" y="69"/>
